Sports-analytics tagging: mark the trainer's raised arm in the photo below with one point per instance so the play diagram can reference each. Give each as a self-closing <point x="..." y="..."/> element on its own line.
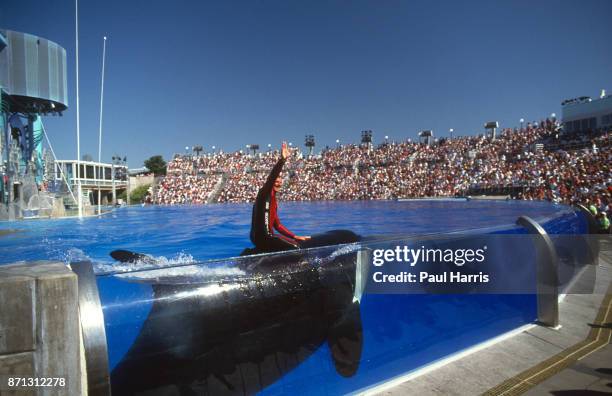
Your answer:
<point x="284" y="151"/>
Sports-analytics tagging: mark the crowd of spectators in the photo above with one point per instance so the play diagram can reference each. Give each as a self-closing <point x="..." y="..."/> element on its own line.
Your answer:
<point x="518" y="158"/>
<point x="184" y="189"/>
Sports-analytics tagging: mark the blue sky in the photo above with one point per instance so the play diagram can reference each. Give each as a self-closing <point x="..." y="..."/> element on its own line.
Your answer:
<point x="230" y="73"/>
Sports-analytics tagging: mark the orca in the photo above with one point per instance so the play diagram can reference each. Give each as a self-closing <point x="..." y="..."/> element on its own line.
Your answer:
<point x="240" y="335"/>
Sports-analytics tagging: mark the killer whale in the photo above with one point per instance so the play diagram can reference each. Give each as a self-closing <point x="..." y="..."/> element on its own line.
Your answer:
<point x="240" y="335"/>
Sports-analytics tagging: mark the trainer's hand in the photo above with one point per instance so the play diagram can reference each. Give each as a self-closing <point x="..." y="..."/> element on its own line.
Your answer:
<point x="301" y="238"/>
<point x="284" y="151"/>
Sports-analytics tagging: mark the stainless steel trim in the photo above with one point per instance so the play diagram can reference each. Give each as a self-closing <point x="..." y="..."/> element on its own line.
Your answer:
<point x="547" y="273"/>
<point x="92" y="327"/>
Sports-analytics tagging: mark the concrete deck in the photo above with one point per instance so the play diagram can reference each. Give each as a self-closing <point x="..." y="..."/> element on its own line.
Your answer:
<point x="591" y="375"/>
<point x="537" y="360"/>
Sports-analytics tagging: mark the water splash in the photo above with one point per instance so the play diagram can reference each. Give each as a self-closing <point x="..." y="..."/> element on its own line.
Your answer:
<point x="152" y="263"/>
<point x="179" y="269"/>
<point x="343" y="250"/>
<point x="187" y="274"/>
<point x="73" y="254"/>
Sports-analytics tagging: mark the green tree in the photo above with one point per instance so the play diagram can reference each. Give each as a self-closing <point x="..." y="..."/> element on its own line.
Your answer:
<point x="122" y="195"/>
<point x="156" y="164"/>
<point x="139" y="193"/>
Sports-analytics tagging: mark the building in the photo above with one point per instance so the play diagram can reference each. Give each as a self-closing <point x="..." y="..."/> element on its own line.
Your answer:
<point x="97" y="179"/>
<point x="32" y="84"/>
<point x="583" y="114"/>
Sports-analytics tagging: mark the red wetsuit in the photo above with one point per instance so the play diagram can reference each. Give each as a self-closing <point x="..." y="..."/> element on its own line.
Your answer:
<point x="275" y="221"/>
<point x="265" y="219"/>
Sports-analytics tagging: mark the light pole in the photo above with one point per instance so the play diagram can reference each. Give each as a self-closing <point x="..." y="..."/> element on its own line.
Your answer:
<point x="309" y="142"/>
<point x="337" y="143"/>
<point x="100" y="133"/>
<point x="451" y="133"/>
<point x="522" y="120"/>
<point x="78" y="118"/>
<point x="553" y="120"/>
<point x="127" y="176"/>
<point x="113" y="180"/>
<point x="386" y="139"/>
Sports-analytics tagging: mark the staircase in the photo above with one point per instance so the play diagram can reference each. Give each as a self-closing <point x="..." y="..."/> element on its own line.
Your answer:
<point x="356" y="167"/>
<point x="214" y="194"/>
<point x="85" y="198"/>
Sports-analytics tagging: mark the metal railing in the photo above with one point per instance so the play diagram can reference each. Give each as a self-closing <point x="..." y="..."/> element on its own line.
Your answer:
<point x="98" y="182"/>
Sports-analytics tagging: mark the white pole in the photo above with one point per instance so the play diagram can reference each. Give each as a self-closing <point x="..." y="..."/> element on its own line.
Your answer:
<point x="78" y="118"/>
<point x="100" y="134"/>
<point x="113" y="178"/>
<point x="127" y="171"/>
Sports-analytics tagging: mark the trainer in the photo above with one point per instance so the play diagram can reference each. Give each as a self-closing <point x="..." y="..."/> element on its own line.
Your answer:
<point x="265" y="215"/>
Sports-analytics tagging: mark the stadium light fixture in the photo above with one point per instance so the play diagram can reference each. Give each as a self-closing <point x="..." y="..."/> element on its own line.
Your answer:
<point x="366" y="137"/>
<point x="309" y="142"/>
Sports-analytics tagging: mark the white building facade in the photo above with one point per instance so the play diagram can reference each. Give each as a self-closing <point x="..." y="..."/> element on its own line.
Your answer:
<point x="584" y="114"/>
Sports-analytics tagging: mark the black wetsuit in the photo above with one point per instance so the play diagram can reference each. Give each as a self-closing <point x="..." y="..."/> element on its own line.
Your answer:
<point x="265" y="219"/>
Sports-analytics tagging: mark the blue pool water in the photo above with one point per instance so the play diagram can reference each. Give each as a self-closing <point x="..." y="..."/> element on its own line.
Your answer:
<point x="399" y="333"/>
<point x="183" y="233"/>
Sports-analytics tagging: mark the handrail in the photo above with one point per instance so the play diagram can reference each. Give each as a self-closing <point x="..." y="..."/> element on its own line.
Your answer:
<point x="84" y="179"/>
<point x="547" y="273"/>
<point x="56" y="160"/>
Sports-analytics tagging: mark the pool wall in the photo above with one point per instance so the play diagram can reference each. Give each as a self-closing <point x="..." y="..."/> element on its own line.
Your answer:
<point x="300" y="333"/>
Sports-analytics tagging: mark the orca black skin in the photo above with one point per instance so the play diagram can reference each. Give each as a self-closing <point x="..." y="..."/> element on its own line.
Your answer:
<point x="125" y="256"/>
<point x="242" y="335"/>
